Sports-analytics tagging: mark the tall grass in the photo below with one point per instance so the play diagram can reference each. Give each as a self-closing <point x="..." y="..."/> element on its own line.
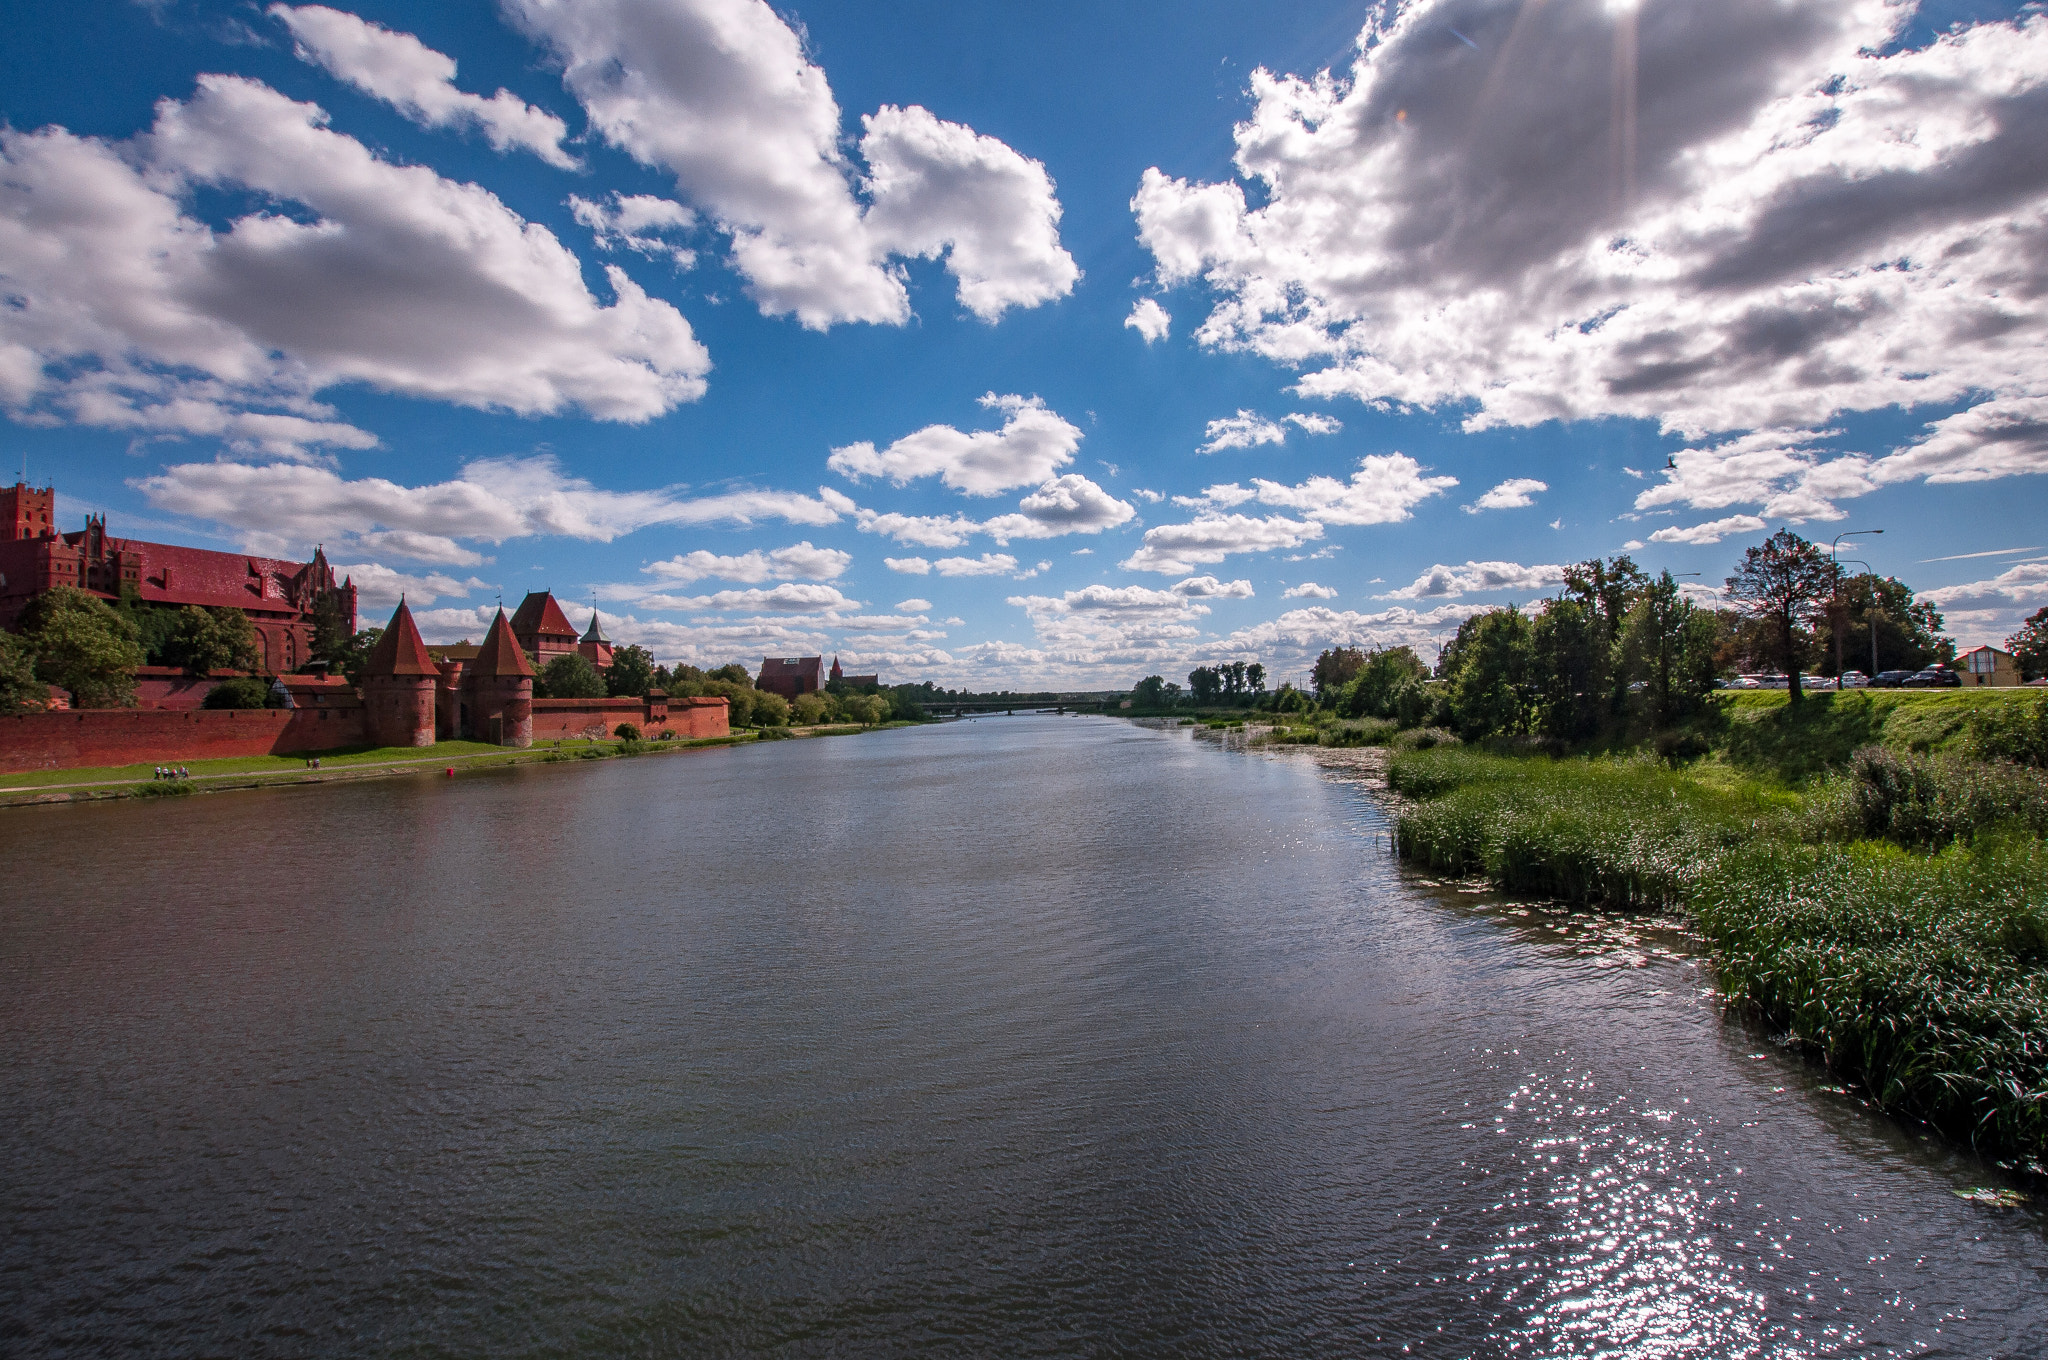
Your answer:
<point x="1921" y="975"/>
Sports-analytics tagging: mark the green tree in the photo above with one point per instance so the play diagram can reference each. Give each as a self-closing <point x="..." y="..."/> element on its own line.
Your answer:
<point x="332" y="640"/>
<point x="1255" y="678"/>
<point x="1149" y="692"/>
<point x="740" y="700"/>
<point x="1572" y="672"/>
<point x="570" y="676"/>
<point x="83" y="645"/>
<point x="357" y="655"/>
<point x="865" y="709"/>
<point x="20" y="691"/>
<point x="1908" y="628"/>
<point x="1381" y="686"/>
<point x="155" y="627"/>
<point x="1784" y="582"/>
<point x="1334" y="669"/>
<point x="811" y="709"/>
<point x="1490" y="682"/>
<point x="1668" y="644"/>
<point x="1204" y="684"/>
<point x="243" y="691"/>
<point x="1607" y="591"/>
<point x="2029" y="645"/>
<point x="212" y="640"/>
<point x="631" y="674"/>
<point x="770" y="710"/>
<point x="733" y="672"/>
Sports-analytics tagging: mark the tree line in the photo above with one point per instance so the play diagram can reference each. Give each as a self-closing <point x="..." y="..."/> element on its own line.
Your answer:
<point x="1616" y="648"/>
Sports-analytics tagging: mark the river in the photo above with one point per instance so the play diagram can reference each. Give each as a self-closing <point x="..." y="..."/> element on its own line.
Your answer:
<point x="1025" y="1036"/>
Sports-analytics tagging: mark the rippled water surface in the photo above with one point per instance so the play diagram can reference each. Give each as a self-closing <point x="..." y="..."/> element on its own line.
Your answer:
<point x="1022" y="1036"/>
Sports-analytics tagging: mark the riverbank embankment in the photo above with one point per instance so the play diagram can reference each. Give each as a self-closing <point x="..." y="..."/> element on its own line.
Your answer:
<point x="96" y="784"/>
<point x="1891" y="918"/>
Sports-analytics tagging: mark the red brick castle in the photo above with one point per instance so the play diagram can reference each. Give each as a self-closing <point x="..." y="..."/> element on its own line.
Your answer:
<point x="279" y="597"/>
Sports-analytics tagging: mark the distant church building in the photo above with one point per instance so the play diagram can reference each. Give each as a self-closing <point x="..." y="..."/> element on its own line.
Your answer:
<point x="853" y="681"/>
<point x="542" y="628"/>
<point x="279" y="597"/>
<point x="790" y="676"/>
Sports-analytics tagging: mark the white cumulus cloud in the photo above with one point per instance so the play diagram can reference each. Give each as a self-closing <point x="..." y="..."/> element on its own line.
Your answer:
<point x="914" y="606"/>
<point x="418" y="81"/>
<point x="126" y="313"/>
<point x="1711" y="532"/>
<point x="1512" y="494"/>
<point x="1385" y="490"/>
<point x="909" y="566"/>
<point x="1473" y="578"/>
<point x="988" y="564"/>
<point x="1806" y="217"/>
<point x="1244" y="430"/>
<point x="721" y="95"/>
<point x="1065" y="505"/>
<point x="639" y="222"/>
<point x="1308" y="590"/>
<point x="1149" y="319"/>
<point x="1174" y="549"/>
<point x="798" y="562"/>
<point x="1032" y="445"/>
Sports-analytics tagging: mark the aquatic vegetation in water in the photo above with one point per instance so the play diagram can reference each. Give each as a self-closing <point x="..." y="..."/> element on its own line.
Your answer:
<point x="1921" y="976"/>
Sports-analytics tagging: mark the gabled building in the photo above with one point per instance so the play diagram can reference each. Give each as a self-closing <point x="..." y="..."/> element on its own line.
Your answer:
<point x="543" y="630"/>
<point x="790" y="676"/>
<point x="839" y="676"/>
<point x="1988" y="666"/>
<point x="280" y="597"/>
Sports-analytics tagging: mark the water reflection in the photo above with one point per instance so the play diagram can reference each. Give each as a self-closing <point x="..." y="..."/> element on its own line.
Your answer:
<point x="1033" y="1036"/>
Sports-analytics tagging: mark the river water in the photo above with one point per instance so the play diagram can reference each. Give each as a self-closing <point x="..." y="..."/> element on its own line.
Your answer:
<point x="1030" y="1036"/>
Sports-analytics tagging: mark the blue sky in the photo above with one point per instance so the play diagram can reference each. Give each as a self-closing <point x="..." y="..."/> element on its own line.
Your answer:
<point x="997" y="345"/>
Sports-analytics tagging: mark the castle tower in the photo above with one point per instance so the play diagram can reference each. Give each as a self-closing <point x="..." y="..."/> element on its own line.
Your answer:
<point x="498" y="689"/>
<point x="837" y="674"/>
<point x="595" y="646"/>
<point x="398" y="686"/>
<point x="27" y="512"/>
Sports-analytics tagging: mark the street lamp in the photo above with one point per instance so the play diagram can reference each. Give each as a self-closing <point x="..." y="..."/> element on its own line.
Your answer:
<point x="1876" y="613"/>
<point x="1840" y="610"/>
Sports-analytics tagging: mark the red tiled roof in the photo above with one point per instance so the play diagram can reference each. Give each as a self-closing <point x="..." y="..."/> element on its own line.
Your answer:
<point x="400" y="651"/>
<point x="539" y="616"/>
<point x="500" y="654"/>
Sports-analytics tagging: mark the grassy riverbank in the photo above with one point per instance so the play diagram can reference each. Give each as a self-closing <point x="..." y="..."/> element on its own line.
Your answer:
<point x="1892" y="916"/>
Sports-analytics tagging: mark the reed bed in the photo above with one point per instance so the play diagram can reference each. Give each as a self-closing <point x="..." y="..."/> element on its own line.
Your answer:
<point x="1895" y="919"/>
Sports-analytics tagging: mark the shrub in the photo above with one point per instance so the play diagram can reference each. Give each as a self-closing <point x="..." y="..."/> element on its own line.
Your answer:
<point x="811" y="709"/>
<point x="1425" y="738"/>
<point x="626" y="731"/>
<point x="1927" y="801"/>
<point x="770" y="710"/>
<point x="244" y="691"/>
<point x="2013" y="731"/>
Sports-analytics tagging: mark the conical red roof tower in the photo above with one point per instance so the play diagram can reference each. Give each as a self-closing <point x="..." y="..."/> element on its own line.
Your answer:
<point x="501" y="654"/>
<point x="401" y="651"/>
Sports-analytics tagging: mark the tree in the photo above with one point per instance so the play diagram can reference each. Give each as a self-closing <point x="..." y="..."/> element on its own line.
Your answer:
<point x="20" y="691"/>
<point x="1490" y="684"/>
<point x="1908" y="629"/>
<point x="1149" y="692"/>
<point x="1571" y="670"/>
<point x="811" y="709"/>
<point x="83" y="645"/>
<point x="735" y="672"/>
<point x="1668" y="644"/>
<point x="1380" y="687"/>
<point x="1255" y="678"/>
<point x="1786" y="583"/>
<point x="357" y="655"/>
<point x="770" y="710"/>
<point x="2029" y="645"/>
<point x="1607" y="591"/>
<point x="631" y="674"/>
<point x="570" y="676"/>
<point x="332" y="641"/>
<point x="1204" y="684"/>
<point x="212" y="640"/>
<point x="1335" y="669"/>
<point x="243" y="691"/>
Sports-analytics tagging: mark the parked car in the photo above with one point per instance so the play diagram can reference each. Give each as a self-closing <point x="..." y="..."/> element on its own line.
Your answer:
<point x="1774" y="680"/>
<point x="1855" y="680"/>
<point x="1816" y="682"/>
<point x="1740" y="682"/>
<point x="1934" y="677"/>
<point x="1890" y="679"/>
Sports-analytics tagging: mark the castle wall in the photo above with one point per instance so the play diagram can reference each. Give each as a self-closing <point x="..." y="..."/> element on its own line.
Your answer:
<point x="566" y="719"/>
<point x="136" y="736"/>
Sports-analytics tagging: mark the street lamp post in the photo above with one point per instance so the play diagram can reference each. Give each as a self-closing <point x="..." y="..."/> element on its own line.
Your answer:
<point x="1840" y="610"/>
